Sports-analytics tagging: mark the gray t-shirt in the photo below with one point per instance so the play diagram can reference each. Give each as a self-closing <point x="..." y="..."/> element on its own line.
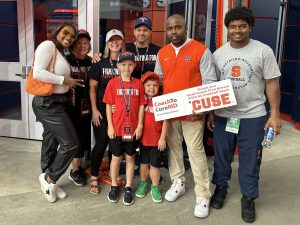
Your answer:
<point x="247" y="68"/>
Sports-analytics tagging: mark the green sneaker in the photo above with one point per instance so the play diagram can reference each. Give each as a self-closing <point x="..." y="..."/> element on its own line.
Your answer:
<point x="156" y="195"/>
<point x="142" y="189"/>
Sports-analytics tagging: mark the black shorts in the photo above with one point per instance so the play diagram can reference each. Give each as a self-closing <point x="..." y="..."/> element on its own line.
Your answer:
<point x="119" y="147"/>
<point x="151" y="155"/>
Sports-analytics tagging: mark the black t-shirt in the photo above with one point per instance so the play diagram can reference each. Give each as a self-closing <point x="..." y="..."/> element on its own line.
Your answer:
<point x="79" y="70"/>
<point x="103" y="72"/>
<point x="148" y="61"/>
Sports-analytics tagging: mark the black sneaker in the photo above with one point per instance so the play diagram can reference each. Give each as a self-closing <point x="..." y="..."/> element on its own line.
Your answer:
<point x="77" y="178"/>
<point x="248" y="209"/>
<point x="113" y="195"/>
<point x="161" y="180"/>
<point x="218" y="197"/>
<point x="136" y="171"/>
<point x="82" y="173"/>
<point x="128" y="196"/>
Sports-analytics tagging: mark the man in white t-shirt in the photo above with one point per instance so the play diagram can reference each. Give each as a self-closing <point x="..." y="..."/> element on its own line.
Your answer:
<point x="252" y="69"/>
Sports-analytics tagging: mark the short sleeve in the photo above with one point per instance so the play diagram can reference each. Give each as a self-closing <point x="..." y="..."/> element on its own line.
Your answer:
<point x="143" y="100"/>
<point x="270" y="68"/>
<point x="94" y="72"/>
<point x="108" y="95"/>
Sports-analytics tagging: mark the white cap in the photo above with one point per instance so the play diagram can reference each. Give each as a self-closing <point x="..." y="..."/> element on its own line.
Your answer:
<point x="113" y="32"/>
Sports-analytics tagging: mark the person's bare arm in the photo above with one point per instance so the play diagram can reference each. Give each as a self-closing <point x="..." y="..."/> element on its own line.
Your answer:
<point x="111" y="132"/>
<point x="273" y="94"/>
<point x="162" y="144"/>
<point x="139" y="130"/>
<point x="96" y="115"/>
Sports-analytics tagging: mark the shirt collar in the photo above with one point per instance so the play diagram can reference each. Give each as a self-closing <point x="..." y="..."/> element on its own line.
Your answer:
<point x="177" y="49"/>
<point x="184" y="44"/>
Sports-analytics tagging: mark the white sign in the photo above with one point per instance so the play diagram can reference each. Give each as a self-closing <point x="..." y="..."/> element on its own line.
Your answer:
<point x="198" y="99"/>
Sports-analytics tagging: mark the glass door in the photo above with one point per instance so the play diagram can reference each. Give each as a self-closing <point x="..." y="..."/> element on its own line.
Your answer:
<point x="43" y="17"/>
<point x="122" y="14"/>
<point x="26" y="24"/>
<point x="14" y="102"/>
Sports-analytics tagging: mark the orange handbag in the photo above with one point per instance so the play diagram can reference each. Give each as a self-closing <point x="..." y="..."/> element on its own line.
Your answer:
<point x="40" y="88"/>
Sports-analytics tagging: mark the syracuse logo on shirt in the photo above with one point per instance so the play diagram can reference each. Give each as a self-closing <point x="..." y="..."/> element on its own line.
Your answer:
<point x="239" y="71"/>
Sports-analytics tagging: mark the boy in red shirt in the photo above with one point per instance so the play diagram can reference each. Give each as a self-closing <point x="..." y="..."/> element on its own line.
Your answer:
<point x="152" y="146"/>
<point x="125" y="123"/>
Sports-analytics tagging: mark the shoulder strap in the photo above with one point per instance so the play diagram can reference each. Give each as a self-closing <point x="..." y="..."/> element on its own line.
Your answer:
<point x="53" y="61"/>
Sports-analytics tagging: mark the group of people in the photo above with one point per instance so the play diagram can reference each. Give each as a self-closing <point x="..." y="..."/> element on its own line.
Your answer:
<point x="115" y="94"/>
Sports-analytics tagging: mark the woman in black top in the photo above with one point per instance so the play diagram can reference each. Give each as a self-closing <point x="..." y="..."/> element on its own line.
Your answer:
<point x="99" y="75"/>
<point x="79" y="109"/>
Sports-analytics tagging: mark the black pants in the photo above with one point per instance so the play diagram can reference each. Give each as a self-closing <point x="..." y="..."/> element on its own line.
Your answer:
<point x="60" y="140"/>
<point x="101" y="142"/>
<point x="83" y="129"/>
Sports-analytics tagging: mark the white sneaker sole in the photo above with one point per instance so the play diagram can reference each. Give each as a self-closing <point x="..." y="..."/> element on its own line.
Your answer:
<point x="112" y="201"/>
<point x="156" y="201"/>
<point x="202" y="216"/>
<point x="174" y="199"/>
<point x="125" y="203"/>
<point x="140" y="196"/>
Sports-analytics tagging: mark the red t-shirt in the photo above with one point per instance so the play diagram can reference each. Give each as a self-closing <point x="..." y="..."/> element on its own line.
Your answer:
<point x="152" y="129"/>
<point x="114" y="96"/>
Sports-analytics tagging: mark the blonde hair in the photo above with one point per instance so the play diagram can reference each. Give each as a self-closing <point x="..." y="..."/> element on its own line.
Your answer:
<point x="107" y="51"/>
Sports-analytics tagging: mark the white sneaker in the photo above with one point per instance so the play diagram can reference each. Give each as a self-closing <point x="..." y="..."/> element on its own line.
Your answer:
<point x="47" y="189"/>
<point x="59" y="192"/>
<point x="176" y="190"/>
<point x="201" y="207"/>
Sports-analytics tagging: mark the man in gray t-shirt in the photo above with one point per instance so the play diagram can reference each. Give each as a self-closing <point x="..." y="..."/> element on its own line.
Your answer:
<point x="252" y="69"/>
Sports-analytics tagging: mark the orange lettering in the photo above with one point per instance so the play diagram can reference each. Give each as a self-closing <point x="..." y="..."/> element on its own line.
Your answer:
<point x="215" y="101"/>
<point x="196" y="105"/>
<point x="225" y="99"/>
<point x="206" y="104"/>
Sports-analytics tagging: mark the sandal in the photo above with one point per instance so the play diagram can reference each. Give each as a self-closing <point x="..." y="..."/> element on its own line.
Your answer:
<point x="93" y="187"/>
<point x="105" y="178"/>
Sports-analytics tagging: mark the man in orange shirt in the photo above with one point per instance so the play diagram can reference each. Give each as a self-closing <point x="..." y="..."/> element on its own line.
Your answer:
<point x="182" y="64"/>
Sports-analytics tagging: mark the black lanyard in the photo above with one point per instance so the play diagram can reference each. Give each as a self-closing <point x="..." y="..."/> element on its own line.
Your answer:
<point x="84" y="73"/>
<point x="112" y="68"/>
<point x="145" y="55"/>
<point x="127" y="104"/>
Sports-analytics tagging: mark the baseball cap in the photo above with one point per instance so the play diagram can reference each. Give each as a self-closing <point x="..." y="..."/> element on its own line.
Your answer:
<point x="113" y="32"/>
<point x="143" y="21"/>
<point x="126" y="55"/>
<point x="83" y="33"/>
<point x="149" y="74"/>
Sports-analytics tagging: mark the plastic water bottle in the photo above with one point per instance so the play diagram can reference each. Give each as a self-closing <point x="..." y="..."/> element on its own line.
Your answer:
<point x="268" y="138"/>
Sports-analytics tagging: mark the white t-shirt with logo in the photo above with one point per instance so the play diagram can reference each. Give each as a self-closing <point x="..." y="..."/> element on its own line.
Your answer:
<point x="247" y="68"/>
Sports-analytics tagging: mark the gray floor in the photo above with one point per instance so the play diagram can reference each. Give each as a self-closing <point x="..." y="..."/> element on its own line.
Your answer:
<point x="22" y="202"/>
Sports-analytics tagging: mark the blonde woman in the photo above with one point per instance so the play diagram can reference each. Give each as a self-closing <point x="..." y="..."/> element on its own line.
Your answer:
<point x="100" y="73"/>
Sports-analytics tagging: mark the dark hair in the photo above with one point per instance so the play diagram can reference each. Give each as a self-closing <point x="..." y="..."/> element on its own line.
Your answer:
<point x="240" y="13"/>
<point x="58" y="29"/>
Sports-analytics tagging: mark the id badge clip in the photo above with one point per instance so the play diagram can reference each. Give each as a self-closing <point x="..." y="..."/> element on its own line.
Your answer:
<point x="233" y="125"/>
<point x="127" y="131"/>
<point x="84" y="107"/>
